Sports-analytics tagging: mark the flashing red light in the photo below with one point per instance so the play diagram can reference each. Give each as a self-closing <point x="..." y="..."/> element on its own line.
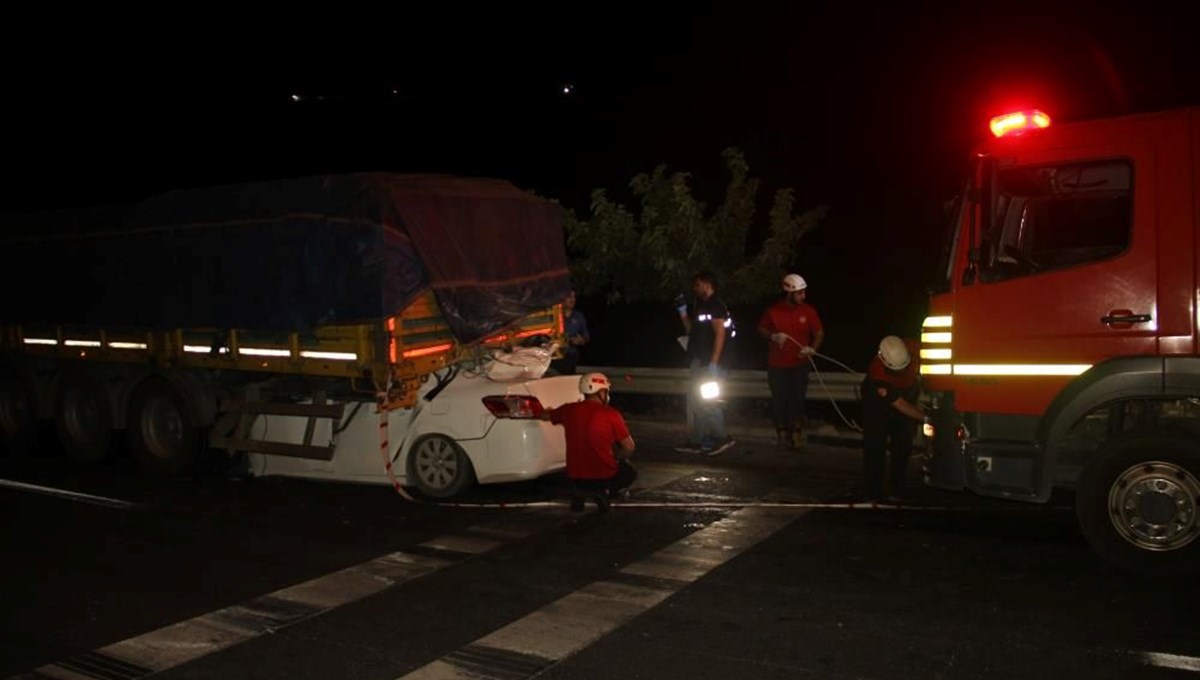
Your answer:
<point x="1019" y="122"/>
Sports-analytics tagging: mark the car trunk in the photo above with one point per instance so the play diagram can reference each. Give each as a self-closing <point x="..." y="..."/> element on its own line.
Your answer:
<point x="555" y="391"/>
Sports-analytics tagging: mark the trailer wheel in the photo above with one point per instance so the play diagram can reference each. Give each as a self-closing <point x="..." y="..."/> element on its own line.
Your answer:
<point x="1138" y="503"/>
<point x="164" y="433"/>
<point x="439" y="467"/>
<point x="83" y="417"/>
<point x="19" y="426"/>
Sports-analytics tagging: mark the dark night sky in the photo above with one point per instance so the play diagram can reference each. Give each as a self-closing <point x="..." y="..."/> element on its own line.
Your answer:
<point x="869" y="110"/>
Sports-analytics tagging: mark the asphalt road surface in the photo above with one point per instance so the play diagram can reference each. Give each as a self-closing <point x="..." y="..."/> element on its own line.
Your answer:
<point x="735" y="566"/>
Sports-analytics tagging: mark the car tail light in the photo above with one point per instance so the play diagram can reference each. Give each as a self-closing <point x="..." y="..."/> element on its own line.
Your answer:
<point x="513" y="406"/>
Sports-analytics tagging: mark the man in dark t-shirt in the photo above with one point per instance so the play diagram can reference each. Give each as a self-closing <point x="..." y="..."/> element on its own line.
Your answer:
<point x="707" y="321"/>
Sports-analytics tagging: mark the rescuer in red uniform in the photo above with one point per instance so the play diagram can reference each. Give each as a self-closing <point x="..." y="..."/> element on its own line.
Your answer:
<point x="598" y="444"/>
<point x="889" y="412"/>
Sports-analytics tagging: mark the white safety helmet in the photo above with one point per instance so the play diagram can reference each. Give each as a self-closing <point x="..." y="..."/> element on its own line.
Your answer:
<point x="591" y="383"/>
<point x="894" y="353"/>
<point x="793" y="283"/>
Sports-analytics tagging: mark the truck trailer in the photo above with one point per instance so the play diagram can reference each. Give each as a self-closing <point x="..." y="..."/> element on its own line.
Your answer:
<point x="172" y="325"/>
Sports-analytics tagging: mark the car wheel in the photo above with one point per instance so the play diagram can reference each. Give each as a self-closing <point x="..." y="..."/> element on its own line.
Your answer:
<point x="439" y="467"/>
<point x="1138" y="501"/>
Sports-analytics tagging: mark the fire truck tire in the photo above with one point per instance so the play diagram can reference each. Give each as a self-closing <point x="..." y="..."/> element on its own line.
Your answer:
<point x="19" y="425"/>
<point x="439" y="467"/>
<point x="163" y="430"/>
<point x="1138" y="500"/>
<point x="83" y="417"/>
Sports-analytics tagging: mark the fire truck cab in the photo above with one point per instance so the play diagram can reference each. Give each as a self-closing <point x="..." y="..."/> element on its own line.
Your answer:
<point x="1060" y="347"/>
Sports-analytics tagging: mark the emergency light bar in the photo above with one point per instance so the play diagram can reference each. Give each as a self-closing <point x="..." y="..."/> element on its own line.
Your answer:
<point x="1019" y="122"/>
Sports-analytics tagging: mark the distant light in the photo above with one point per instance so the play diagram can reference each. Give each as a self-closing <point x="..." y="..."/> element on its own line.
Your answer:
<point x="710" y="390"/>
<point x="295" y="97"/>
<point x="568" y="88"/>
<point x="1019" y="122"/>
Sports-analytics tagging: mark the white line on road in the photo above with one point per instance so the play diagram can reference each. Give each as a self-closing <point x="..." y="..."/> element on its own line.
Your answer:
<point x="530" y="645"/>
<point x="1176" y="661"/>
<point x="179" y="643"/>
<point x="70" y="495"/>
<point x="189" y="640"/>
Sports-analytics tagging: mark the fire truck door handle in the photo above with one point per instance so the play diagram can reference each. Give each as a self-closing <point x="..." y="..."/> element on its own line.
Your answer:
<point x="1124" y="316"/>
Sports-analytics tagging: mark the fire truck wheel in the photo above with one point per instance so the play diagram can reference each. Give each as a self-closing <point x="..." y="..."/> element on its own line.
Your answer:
<point x="439" y="467"/>
<point x="19" y="426"/>
<point x="1138" y="501"/>
<point x="83" y="417"/>
<point x="162" y="428"/>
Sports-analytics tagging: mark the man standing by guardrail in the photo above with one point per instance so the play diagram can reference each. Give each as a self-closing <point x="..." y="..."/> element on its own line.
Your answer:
<point x="706" y="320"/>
<point x="795" y="332"/>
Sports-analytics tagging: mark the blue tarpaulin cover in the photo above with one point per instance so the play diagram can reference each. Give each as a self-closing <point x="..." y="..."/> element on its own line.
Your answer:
<point x="290" y="255"/>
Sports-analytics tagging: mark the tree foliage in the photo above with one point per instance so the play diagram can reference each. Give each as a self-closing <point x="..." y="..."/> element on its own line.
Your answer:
<point x="651" y="252"/>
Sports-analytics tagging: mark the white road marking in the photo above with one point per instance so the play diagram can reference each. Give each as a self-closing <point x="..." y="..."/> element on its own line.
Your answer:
<point x="186" y="641"/>
<point x="69" y="495"/>
<point x="189" y="640"/>
<point x="1176" y="661"/>
<point x="545" y="637"/>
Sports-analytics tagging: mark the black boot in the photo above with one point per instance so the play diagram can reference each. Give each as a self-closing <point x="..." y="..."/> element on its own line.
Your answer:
<point x="799" y="439"/>
<point x="602" y="503"/>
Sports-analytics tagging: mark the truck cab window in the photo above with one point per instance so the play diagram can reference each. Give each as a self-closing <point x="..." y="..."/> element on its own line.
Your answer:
<point x="1049" y="217"/>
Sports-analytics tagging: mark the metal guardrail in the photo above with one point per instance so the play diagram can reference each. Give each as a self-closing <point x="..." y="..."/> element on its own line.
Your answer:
<point x="838" y="386"/>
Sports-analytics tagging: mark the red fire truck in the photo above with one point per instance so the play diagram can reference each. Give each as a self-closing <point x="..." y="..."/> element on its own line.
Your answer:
<point x="1060" y="348"/>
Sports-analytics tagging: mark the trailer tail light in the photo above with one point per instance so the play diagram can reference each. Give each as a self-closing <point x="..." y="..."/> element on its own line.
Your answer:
<point x="513" y="406"/>
<point x="1019" y="122"/>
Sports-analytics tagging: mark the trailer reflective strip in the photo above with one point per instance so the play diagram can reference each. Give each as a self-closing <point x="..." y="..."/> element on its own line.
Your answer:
<point x="264" y="352"/>
<point x="528" y="646"/>
<point x="1176" y="661"/>
<point x="936" y="353"/>
<point x="425" y="351"/>
<point x="935" y="369"/>
<point x="335" y="356"/>
<point x="936" y="337"/>
<point x="203" y="349"/>
<point x="186" y="641"/>
<point x="128" y="345"/>
<point x="41" y="341"/>
<point x="1020" y="369"/>
<point x="81" y="343"/>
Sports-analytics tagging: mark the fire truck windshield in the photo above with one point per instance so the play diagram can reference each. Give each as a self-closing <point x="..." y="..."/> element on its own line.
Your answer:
<point x="1053" y="216"/>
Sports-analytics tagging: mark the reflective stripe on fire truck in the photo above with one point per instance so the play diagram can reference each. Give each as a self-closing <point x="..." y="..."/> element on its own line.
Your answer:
<point x="937" y="359"/>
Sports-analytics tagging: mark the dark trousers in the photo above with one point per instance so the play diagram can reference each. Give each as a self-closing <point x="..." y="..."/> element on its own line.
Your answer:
<point x="564" y="366"/>
<point x="789" y="389"/>
<point x="881" y="433"/>
<point x="623" y="479"/>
